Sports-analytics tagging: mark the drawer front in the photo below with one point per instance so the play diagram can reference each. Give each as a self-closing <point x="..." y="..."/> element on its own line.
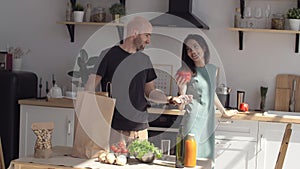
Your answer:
<point x="236" y="129"/>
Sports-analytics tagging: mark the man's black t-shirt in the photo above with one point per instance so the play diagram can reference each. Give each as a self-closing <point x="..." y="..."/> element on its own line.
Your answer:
<point x="128" y="74"/>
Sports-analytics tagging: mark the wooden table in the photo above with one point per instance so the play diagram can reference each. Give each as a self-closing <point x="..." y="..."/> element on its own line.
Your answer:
<point x="62" y="160"/>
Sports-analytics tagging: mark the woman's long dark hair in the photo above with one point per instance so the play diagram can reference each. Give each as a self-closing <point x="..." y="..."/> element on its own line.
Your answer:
<point x="187" y="62"/>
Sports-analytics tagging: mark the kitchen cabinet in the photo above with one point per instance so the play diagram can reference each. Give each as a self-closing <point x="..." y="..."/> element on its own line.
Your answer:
<point x="63" y="119"/>
<point x="270" y="137"/>
<point x="233" y="154"/>
<point x="242" y="30"/>
<point x="235" y="145"/>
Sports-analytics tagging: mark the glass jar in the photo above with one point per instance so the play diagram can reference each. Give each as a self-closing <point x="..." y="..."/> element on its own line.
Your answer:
<point x="278" y="21"/>
<point x="98" y="14"/>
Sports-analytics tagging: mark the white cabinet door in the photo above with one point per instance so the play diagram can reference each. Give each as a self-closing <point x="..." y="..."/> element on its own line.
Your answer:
<point x="231" y="154"/>
<point x="63" y="133"/>
<point x="270" y="136"/>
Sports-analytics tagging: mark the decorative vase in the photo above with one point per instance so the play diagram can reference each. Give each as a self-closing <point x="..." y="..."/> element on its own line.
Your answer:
<point x="294" y="24"/>
<point x="263" y="96"/>
<point x="17" y="64"/>
<point x="262" y="103"/>
<point x="78" y="16"/>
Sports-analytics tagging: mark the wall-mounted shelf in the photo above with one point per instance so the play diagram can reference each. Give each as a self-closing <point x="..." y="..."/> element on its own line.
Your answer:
<point x="242" y="30"/>
<point x="264" y="30"/>
<point x="71" y="27"/>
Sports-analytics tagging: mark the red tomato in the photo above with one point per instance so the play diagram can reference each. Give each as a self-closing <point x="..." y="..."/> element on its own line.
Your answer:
<point x="244" y="107"/>
<point x="118" y="150"/>
<point x="124" y="151"/>
<point x="186" y="75"/>
<point x="113" y="148"/>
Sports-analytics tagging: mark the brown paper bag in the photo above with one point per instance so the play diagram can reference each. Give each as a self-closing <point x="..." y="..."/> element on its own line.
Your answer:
<point x="93" y="123"/>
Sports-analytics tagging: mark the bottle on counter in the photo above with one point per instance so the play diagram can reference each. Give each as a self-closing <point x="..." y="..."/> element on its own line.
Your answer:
<point x="68" y="12"/>
<point x="88" y="12"/>
<point x="190" y="151"/>
<point x="180" y="148"/>
<point x="237" y="18"/>
<point x="9" y="58"/>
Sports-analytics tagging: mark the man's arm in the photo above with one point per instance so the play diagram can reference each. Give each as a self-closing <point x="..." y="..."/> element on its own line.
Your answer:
<point x="153" y="94"/>
<point x="158" y="96"/>
<point x="92" y="82"/>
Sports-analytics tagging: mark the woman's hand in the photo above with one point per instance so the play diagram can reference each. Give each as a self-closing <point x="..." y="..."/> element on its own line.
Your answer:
<point x="229" y="113"/>
<point x="182" y="84"/>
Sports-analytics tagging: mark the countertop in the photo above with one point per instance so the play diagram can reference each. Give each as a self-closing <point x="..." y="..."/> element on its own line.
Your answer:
<point x="251" y="115"/>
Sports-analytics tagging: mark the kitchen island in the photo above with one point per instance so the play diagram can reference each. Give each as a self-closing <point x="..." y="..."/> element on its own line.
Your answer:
<point x="255" y="130"/>
<point x="61" y="159"/>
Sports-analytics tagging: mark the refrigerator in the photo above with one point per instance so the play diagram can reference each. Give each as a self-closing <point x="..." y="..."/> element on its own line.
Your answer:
<point x="14" y="85"/>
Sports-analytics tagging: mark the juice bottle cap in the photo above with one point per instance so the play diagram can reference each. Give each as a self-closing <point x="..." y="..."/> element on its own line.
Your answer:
<point x="191" y="134"/>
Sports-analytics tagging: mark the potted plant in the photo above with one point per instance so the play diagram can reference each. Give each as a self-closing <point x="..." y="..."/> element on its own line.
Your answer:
<point x="78" y="13"/>
<point x="293" y="15"/>
<point x="86" y="65"/>
<point x="117" y="10"/>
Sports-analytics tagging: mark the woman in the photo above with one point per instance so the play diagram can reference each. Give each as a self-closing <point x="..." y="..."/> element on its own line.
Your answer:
<point x="200" y="116"/>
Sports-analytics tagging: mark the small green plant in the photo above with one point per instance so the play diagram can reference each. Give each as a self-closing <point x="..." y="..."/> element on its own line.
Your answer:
<point x="293" y="13"/>
<point x="117" y="8"/>
<point x="140" y="148"/>
<point x="78" y="7"/>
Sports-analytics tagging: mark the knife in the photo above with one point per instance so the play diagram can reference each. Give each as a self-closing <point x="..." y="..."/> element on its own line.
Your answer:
<point x="292" y="101"/>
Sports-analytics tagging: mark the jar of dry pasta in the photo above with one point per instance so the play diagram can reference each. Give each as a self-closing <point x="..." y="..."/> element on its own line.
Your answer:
<point x="98" y="14"/>
<point x="278" y="21"/>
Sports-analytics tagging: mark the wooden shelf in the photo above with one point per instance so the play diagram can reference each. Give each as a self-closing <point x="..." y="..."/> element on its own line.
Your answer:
<point x="90" y="23"/>
<point x="264" y="30"/>
<point x="242" y="30"/>
<point x="71" y="27"/>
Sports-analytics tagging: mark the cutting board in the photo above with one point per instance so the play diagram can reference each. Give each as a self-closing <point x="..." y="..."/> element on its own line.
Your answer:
<point x="283" y="92"/>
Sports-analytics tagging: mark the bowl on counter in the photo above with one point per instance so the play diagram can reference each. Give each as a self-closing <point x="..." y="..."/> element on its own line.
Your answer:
<point x="146" y="158"/>
<point x="71" y="94"/>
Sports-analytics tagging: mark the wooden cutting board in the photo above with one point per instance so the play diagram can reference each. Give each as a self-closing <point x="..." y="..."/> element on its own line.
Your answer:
<point x="283" y="92"/>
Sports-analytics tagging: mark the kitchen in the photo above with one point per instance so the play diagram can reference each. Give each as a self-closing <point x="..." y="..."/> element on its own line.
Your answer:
<point x="33" y="25"/>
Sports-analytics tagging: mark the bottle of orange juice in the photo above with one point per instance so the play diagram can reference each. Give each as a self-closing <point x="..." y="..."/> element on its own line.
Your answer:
<point x="190" y="151"/>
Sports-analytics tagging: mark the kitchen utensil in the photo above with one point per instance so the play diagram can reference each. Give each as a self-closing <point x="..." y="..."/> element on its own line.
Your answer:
<point x="53" y="80"/>
<point x="292" y="101"/>
<point x="223" y="93"/>
<point x="40" y="88"/>
<point x="55" y="92"/>
<point x="240" y="98"/>
<point x="284" y="89"/>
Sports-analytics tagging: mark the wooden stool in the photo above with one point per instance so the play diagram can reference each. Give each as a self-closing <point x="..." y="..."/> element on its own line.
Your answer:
<point x="284" y="146"/>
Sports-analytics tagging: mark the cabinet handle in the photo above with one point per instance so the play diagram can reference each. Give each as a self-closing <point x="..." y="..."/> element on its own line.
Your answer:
<point x="259" y="144"/>
<point x="69" y="127"/>
<point x="225" y="121"/>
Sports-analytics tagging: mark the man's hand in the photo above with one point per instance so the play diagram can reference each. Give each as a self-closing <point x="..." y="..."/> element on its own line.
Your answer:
<point x="181" y="100"/>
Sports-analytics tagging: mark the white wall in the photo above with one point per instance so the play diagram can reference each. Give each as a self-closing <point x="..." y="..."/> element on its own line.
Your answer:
<point x="32" y="24"/>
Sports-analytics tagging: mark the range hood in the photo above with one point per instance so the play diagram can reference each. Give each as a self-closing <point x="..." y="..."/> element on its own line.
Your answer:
<point x="179" y="15"/>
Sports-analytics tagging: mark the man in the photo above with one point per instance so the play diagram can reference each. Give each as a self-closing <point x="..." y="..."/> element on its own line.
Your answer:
<point x="132" y="76"/>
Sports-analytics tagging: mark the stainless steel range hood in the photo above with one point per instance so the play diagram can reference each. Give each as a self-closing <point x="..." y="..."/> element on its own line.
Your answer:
<point x="179" y="15"/>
